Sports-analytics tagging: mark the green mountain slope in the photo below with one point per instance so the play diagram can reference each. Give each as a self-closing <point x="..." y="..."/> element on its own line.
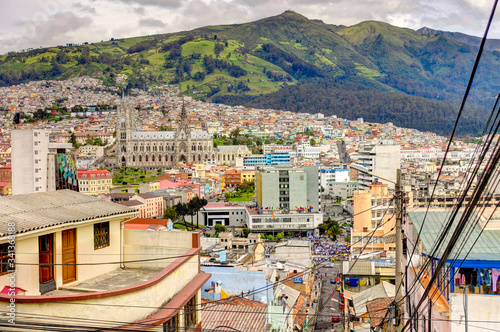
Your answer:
<point x="272" y="61"/>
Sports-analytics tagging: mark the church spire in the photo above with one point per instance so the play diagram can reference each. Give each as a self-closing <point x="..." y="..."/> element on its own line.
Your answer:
<point x="183" y="114"/>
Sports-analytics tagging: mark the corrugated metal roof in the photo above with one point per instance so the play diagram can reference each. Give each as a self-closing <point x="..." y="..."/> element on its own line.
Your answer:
<point x="41" y="210"/>
<point x="358" y="268"/>
<point x="384" y="289"/>
<point x="487" y="246"/>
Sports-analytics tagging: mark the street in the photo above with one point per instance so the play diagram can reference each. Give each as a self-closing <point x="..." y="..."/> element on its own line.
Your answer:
<point x="330" y="306"/>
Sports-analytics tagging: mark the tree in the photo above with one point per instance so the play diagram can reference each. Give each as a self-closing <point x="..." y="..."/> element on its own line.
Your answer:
<point x="279" y="236"/>
<point x="235" y="133"/>
<point x="219" y="229"/>
<point x="170" y="213"/>
<point x="246" y="231"/>
<point x="182" y="210"/>
<point x="73" y="141"/>
<point x="17" y="118"/>
<point x="218" y="47"/>
<point x="312" y="142"/>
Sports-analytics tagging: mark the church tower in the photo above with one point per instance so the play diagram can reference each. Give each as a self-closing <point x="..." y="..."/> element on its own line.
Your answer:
<point x="125" y="125"/>
<point x="183" y="138"/>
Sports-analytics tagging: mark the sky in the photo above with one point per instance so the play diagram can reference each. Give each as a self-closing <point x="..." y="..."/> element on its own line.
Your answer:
<point x="35" y="23"/>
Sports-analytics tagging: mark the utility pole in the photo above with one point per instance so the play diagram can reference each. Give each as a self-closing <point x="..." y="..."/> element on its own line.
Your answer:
<point x="466" y="309"/>
<point x="399" y="252"/>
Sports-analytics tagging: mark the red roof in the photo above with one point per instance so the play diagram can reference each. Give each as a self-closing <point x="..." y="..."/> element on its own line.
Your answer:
<point x="88" y="174"/>
<point x="7" y="166"/>
<point x="147" y="221"/>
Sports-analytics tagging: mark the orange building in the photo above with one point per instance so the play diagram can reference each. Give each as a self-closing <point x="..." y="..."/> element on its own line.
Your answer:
<point x="233" y="177"/>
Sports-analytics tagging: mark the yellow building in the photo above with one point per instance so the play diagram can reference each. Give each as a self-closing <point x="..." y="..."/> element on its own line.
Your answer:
<point x="247" y="175"/>
<point x="373" y="214"/>
<point x="94" y="182"/>
<point x="71" y="248"/>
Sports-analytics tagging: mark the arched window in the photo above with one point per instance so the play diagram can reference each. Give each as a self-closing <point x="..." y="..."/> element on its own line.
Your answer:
<point x="153" y="158"/>
<point x="147" y="158"/>
<point x="133" y="159"/>
<point x="140" y="159"/>
<point x="159" y="158"/>
<point x="172" y="158"/>
<point x="199" y="157"/>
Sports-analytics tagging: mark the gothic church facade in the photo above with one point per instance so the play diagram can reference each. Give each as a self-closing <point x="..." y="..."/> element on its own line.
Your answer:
<point x="159" y="149"/>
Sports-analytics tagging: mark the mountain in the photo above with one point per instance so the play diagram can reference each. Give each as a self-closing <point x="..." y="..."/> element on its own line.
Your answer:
<point x="372" y="69"/>
<point x="490" y="45"/>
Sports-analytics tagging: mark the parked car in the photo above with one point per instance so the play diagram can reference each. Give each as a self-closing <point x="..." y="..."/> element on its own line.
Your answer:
<point x="335" y="318"/>
<point x="332" y="281"/>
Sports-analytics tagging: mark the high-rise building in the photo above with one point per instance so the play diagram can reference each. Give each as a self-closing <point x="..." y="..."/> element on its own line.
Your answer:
<point x="382" y="159"/>
<point x="288" y="188"/>
<point x="38" y="165"/>
<point x="373" y="219"/>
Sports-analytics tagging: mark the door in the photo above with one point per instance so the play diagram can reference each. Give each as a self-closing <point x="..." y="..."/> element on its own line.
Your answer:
<point x="69" y="255"/>
<point x="46" y="263"/>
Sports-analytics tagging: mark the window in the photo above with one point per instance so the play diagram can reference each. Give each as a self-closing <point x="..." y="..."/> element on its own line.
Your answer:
<point x="6" y="258"/>
<point x="101" y="235"/>
<point x="191" y="310"/>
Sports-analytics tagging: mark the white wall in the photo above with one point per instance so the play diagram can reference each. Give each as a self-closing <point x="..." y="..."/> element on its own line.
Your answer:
<point x="482" y="309"/>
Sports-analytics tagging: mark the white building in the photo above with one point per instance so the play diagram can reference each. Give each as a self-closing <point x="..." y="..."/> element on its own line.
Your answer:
<point x="328" y="176"/>
<point x="30" y="148"/>
<point x="382" y="159"/>
<point x="39" y="166"/>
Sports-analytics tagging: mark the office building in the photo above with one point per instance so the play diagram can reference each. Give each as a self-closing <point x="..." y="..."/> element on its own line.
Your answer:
<point x="38" y="165"/>
<point x="382" y="159"/>
<point x="288" y="188"/>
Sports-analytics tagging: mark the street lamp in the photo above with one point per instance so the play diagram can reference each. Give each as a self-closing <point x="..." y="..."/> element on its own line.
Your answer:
<point x="399" y="245"/>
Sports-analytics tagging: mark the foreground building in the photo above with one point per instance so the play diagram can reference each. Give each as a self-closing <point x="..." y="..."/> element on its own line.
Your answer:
<point x="473" y="265"/>
<point x="72" y="251"/>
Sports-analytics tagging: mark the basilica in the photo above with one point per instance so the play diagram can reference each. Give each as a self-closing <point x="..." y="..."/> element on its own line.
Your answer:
<point x="159" y="149"/>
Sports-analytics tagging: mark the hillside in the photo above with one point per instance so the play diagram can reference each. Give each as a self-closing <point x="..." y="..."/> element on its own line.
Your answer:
<point x="491" y="44"/>
<point x="370" y="69"/>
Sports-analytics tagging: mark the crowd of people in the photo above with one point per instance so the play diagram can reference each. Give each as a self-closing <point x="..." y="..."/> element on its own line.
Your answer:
<point x="329" y="251"/>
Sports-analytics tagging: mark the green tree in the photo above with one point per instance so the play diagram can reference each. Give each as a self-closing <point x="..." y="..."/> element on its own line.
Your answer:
<point x="246" y="231"/>
<point x="182" y="210"/>
<point x="279" y="236"/>
<point x="235" y="133"/>
<point x="72" y="140"/>
<point x="170" y="213"/>
<point x="219" y="229"/>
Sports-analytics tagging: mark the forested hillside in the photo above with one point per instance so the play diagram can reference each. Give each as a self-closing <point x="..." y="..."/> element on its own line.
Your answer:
<point x="371" y="69"/>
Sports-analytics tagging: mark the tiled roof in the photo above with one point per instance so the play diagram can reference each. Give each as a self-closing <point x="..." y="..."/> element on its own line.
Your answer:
<point x="131" y="202"/>
<point x="235" y="312"/>
<point x="378" y="310"/>
<point x="384" y="289"/>
<point x="41" y="210"/>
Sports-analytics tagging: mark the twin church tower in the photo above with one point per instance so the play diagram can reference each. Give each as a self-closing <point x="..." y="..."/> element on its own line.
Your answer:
<point x="158" y="149"/>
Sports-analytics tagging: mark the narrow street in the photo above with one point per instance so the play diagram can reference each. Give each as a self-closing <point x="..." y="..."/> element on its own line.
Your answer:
<point x="330" y="306"/>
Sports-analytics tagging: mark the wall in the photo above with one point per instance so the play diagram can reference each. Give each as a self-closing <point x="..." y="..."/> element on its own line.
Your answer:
<point x="142" y="300"/>
<point x="482" y="309"/>
<point x="140" y="245"/>
<point x="235" y="281"/>
<point x="27" y="276"/>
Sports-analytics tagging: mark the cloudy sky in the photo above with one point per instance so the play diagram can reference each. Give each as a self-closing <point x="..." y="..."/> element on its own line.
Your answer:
<point x="35" y="23"/>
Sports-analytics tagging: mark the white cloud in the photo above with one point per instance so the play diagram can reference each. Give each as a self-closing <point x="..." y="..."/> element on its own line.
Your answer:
<point x="32" y="23"/>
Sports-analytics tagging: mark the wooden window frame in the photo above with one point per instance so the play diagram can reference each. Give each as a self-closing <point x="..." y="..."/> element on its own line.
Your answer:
<point x="101" y="229"/>
<point x="7" y="259"/>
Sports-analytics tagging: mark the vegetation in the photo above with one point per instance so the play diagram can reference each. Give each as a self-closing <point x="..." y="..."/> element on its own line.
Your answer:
<point x="331" y="227"/>
<point x="124" y="176"/>
<point x="371" y="70"/>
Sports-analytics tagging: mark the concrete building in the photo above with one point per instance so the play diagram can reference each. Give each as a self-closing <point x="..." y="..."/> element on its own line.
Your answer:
<point x="227" y="214"/>
<point x="38" y="165"/>
<point x="81" y="241"/>
<point x="344" y="190"/>
<point x="94" y="182"/>
<point x="373" y="212"/>
<point x="382" y="159"/>
<point x="288" y="188"/>
<point x="328" y="175"/>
